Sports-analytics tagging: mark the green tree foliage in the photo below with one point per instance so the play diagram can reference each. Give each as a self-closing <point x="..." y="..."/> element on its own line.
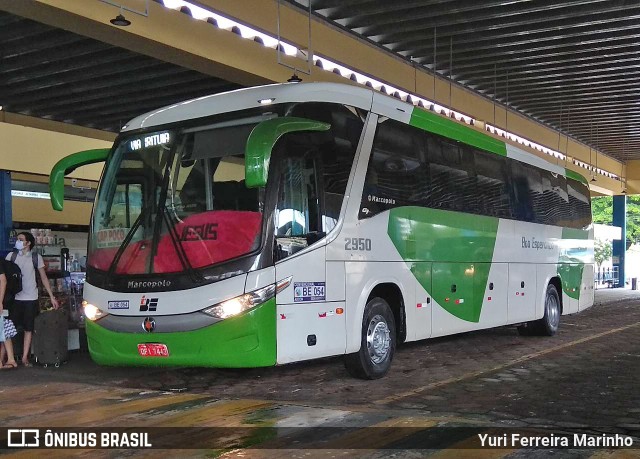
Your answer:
<point x="602" y="208"/>
<point x="602" y="252"/>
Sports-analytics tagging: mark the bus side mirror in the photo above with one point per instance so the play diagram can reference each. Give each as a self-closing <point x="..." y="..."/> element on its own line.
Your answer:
<point x="67" y="165"/>
<point x="262" y="139"/>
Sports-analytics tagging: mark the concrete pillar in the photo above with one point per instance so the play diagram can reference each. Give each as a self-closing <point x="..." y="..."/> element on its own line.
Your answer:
<point x="620" y="246"/>
<point x="5" y="209"/>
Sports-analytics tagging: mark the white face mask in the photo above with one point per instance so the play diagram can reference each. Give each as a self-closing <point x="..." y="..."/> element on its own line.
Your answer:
<point x="19" y="244"/>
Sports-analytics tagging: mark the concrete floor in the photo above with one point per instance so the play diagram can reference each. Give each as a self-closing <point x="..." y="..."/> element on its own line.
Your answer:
<point x="438" y="396"/>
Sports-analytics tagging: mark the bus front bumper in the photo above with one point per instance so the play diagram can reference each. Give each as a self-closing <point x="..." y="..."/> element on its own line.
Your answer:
<point x="248" y="340"/>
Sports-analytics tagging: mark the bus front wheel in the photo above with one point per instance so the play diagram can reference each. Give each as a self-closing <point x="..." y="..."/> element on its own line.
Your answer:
<point x="377" y="344"/>
<point x="548" y="325"/>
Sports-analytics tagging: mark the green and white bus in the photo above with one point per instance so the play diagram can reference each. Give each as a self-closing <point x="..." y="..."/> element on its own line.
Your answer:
<point x="289" y="222"/>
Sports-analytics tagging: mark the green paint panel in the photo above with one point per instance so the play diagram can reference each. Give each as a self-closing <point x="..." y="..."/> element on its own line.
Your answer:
<point x="571" y="266"/>
<point x="459" y="288"/>
<point x="575" y="176"/>
<point x="461" y="247"/>
<point x="571" y="275"/>
<point x="422" y="272"/>
<point x="573" y="233"/>
<point x="248" y="340"/>
<point x="448" y="128"/>
<point x="423" y="234"/>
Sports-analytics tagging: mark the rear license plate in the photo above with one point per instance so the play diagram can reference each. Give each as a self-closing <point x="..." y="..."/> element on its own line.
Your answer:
<point x="153" y="350"/>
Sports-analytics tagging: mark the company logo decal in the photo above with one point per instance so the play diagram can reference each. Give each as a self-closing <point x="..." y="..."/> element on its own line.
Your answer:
<point x="149" y="324"/>
<point x="148" y="304"/>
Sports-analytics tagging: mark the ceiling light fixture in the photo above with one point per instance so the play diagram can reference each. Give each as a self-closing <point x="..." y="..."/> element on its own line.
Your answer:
<point x="120" y="21"/>
<point x="294" y="78"/>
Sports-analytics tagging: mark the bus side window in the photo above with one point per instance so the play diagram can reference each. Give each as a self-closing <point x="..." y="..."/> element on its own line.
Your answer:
<point x="397" y="174"/>
<point x="527" y="192"/>
<point x="579" y="204"/>
<point x="555" y="200"/>
<point x="493" y="185"/>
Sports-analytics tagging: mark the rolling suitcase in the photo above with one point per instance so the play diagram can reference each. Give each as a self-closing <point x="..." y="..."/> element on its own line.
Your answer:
<point x="50" y="345"/>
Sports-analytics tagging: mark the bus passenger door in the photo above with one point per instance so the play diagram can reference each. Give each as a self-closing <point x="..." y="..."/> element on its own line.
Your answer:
<point x="308" y="326"/>
<point x="522" y="292"/>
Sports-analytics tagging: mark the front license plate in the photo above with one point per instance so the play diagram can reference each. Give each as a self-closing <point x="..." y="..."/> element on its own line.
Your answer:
<point x="153" y="350"/>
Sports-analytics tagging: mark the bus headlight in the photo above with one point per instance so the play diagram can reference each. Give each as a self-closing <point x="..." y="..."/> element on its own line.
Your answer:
<point x="91" y="312"/>
<point x="242" y="303"/>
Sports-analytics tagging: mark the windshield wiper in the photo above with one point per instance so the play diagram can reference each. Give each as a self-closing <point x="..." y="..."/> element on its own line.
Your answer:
<point x="125" y="243"/>
<point x="196" y="277"/>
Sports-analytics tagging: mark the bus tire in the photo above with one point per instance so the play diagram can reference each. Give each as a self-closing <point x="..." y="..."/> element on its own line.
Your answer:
<point x="377" y="344"/>
<point x="548" y="325"/>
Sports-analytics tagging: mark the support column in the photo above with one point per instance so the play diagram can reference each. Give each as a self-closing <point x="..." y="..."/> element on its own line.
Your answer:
<point x="620" y="246"/>
<point x="5" y="209"/>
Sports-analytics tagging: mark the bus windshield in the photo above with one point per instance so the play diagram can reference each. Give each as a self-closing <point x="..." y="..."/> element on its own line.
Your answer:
<point x="176" y="200"/>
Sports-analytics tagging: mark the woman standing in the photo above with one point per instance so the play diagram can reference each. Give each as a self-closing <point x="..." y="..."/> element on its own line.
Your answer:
<point x="25" y="307"/>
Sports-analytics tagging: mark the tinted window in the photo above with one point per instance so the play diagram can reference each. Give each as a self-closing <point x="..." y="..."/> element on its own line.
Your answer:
<point x="554" y="202"/>
<point x="397" y="174"/>
<point x="527" y="191"/>
<point x="579" y="203"/>
<point x="409" y="166"/>
<point x="493" y="187"/>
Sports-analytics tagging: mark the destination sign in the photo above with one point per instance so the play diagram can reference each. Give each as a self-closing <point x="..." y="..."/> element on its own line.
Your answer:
<point x="151" y="140"/>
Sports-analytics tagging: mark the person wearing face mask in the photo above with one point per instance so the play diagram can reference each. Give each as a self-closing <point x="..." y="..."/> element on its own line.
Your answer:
<point x="25" y="306"/>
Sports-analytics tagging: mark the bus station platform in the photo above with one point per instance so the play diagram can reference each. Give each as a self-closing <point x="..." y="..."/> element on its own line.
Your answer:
<point x="583" y="380"/>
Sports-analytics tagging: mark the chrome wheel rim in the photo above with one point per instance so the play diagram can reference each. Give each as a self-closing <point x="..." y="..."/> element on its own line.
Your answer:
<point x="378" y="339"/>
<point x="553" y="311"/>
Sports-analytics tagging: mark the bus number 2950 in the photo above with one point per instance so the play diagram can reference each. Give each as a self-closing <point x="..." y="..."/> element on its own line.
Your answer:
<point x="357" y="243"/>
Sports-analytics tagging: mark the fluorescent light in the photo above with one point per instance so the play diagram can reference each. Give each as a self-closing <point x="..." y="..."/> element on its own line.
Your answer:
<point x="250" y="33"/>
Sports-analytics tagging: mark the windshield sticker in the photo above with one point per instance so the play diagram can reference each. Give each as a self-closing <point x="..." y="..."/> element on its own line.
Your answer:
<point x="206" y="231"/>
<point x="308" y="291"/>
<point x="111" y="237"/>
<point x="121" y="304"/>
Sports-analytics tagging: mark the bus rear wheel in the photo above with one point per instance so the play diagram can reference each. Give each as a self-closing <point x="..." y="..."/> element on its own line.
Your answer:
<point x="548" y="325"/>
<point x="377" y="344"/>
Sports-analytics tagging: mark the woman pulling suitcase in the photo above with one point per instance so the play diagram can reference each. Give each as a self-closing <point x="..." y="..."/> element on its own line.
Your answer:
<point x="25" y="307"/>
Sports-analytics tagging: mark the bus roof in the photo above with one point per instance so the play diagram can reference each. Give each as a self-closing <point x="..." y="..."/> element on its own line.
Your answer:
<point x="240" y="99"/>
<point x="355" y="96"/>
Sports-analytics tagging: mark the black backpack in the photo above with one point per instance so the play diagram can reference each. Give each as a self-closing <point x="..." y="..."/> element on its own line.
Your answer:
<point x="13" y="273"/>
<point x="14" y="277"/>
